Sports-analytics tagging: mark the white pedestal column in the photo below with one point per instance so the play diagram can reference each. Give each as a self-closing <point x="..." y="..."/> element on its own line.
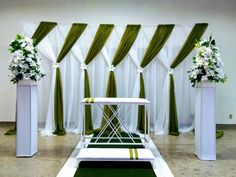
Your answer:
<point x="205" y="127"/>
<point x="27" y="119"/>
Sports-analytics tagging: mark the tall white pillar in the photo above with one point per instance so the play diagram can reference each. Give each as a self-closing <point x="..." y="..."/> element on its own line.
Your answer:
<point x="205" y="127"/>
<point x="27" y="115"/>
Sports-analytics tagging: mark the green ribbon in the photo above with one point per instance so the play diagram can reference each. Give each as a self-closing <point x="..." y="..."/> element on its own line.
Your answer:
<point x="133" y="153"/>
<point x="131" y="156"/>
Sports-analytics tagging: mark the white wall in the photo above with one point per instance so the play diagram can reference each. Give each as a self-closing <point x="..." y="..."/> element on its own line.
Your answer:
<point x="220" y="15"/>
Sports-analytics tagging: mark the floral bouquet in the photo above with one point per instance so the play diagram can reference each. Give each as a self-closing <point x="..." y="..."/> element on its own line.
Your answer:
<point x="25" y="62"/>
<point x="207" y="63"/>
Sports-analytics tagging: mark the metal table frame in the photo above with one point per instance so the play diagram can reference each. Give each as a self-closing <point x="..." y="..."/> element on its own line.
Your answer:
<point x="116" y="114"/>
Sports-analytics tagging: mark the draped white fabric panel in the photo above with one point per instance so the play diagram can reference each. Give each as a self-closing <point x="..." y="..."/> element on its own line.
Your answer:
<point x="127" y="73"/>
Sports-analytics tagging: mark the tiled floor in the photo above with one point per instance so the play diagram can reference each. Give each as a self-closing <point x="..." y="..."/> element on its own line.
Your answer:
<point x="52" y="153"/>
<point x="177" y="151"/>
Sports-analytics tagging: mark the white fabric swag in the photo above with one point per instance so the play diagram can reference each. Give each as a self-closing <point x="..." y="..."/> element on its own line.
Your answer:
<point x="156" y="77"/>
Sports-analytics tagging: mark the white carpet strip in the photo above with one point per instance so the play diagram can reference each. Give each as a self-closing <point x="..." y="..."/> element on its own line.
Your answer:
<point x="159" y="165"/>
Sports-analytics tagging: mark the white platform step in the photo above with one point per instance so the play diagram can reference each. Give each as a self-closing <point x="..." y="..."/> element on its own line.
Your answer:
<point x="115" y="101"/>
<point x="115" y="154"/>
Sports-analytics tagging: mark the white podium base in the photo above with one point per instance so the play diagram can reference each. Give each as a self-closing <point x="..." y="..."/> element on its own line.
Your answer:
<point x="205" y="128"/>
<point x="27" y="114"/>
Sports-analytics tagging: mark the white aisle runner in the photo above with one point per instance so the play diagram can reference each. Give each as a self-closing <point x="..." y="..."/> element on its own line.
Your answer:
<point x="160" y="167"/>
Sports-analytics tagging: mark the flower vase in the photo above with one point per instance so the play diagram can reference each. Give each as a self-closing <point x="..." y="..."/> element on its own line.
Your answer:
<point x="205" y="127"/>
<point x="27" y="115"/>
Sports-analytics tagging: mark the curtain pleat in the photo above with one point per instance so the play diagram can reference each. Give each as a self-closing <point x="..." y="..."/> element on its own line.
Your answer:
<point x="58" y="108"/>
<point x="98" y="43"/>
<point x="42" y="30"/>
<point x="158" y="40"/>
<point x="173" y="125"/>
<point x="188" y="46"/>
<point x="126" y="42"/>
<point x="112" y="92"/>
<point x="88" y="113"/>
<point x="73" y="35"/>
<point x="141" y="109"/>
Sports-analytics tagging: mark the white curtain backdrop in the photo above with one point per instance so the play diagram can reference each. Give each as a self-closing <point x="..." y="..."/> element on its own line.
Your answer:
<point x="127" y="73"/>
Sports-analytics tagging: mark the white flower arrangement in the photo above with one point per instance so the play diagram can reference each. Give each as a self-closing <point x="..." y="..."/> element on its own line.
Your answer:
<point x="25" y="62"/>
<point x="207" y="63"/>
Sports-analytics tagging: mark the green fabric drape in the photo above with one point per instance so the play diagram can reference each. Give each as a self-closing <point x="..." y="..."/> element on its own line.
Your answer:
<point x="126" y="42"/>
<point x="158" y="40"/>
<point x="42" y="30"/>
<point x="12" y="131"/>
<point x="110" y="92"/>
<point x="88" y="113"/>
<point x="58" y="105"/>
<point x="188" y="46"/>
<point x="98" y="43"/>
<point x="75" y="32"/>
<point x="141" y="109"/>
<point x="173" y="124"/>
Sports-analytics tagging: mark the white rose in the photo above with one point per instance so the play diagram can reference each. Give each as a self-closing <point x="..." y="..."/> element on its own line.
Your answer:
<point x="204" y="78"/>
<point x="18" y="53"/>
<point x="16" y="59"/>
<point x="199" y="61"/>
<point x="208" y="51"/>
<point x="26" y="76"/>
<point x="28" y="59"/>
<point x="32" y="63"/>
<point x="29" y="48"/>
<point x="28" y="40"/>
<point x="23" y="44"/>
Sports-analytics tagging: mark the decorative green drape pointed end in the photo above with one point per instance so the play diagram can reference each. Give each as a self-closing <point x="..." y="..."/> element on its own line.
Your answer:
<point x="219" y="134"/>
<point x="11" y="131"/>
<point x="59" y="132"/>
<point x="58" y="105"/>
<point x="43" y="29"/>
<point x="89" y="132"/>
<point x="174" y="133"/>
